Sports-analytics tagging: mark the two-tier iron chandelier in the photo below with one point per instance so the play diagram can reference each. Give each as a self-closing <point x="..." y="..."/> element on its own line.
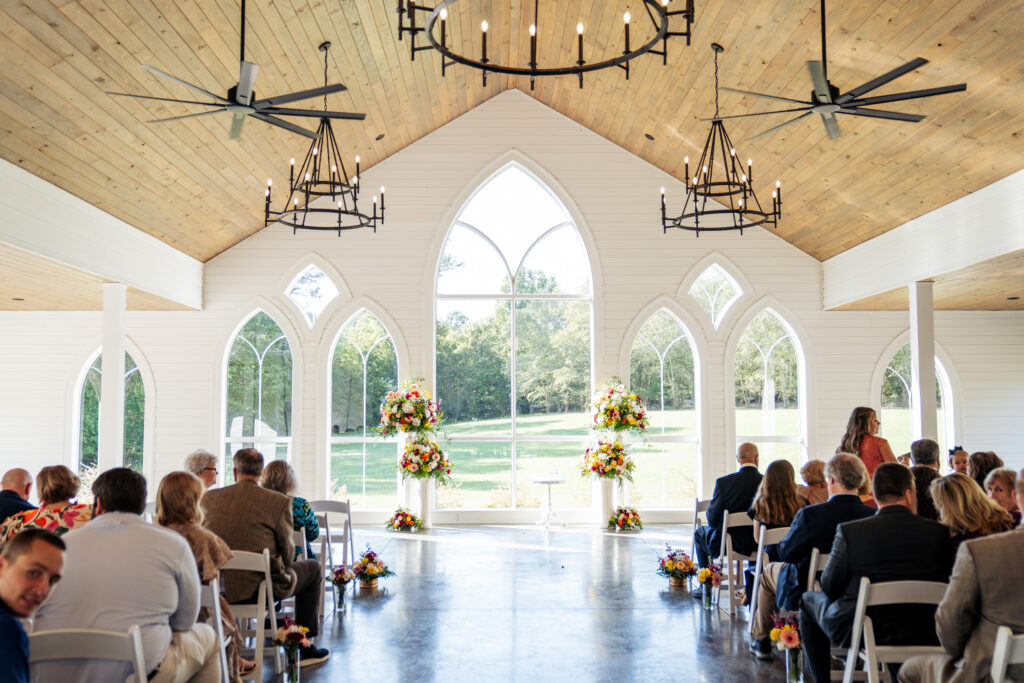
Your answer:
<point x="720" y="194"/>
<point x="321" y="195"/>
<point x="437" y="18"/>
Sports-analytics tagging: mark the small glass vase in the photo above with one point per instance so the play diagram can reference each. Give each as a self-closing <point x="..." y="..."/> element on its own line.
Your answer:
<point x="706" y="589"/>
<point x="339" y="597"/>
<point x="793" y="673"/>
<point x="291" y="665"/>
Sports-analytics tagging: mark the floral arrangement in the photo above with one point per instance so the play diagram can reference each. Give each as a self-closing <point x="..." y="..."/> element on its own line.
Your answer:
<point x="710" y="575"/>
<point x="403" y="520"/>
<point x="786" y="631"/>
<point x="617" y="410"/>
<point x="424" y="459"/>
<point x="409" y="409"/>
<point x="370" y="567"/>
<point x="341" y="576"/>
<point x="676" y="564"/>
<point x="625" y="519"/>
<point x="291" y="637"/>
<point x="607" y="459"/>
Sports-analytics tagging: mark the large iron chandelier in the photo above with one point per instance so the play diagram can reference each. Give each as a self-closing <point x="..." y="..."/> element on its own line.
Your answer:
<point x="723" y="180"/>
<point x="322" y="175"/>
<point x="656" y="10"/>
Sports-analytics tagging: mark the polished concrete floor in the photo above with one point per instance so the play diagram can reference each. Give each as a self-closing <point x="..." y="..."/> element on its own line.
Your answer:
<point x="516" y="603"/>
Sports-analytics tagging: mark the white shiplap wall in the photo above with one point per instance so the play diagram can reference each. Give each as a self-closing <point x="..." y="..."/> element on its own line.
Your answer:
<point x="613" y="196"/>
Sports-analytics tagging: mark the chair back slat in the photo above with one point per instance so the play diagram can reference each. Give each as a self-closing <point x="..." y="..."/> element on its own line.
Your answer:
<point x="247" y="561"/>
<point x="1009" y="650"/>
<point x="906" y="592"/>
<point x="77" y="643"/>
<point x="817" y="565"/>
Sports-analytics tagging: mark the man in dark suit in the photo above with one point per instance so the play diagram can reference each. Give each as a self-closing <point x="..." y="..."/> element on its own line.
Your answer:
<point x="782" y="583"/>
<point x="893" y="545"/>
<point x="251" y="518"/>
<point x="14" y="497"/>
<point x="733" y="493"/>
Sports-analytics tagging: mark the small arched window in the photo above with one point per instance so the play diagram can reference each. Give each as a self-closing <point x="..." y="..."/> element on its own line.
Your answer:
<point x="311" y="291"/>
<point x="89" y="414"/>
<point x="364" y="367"/>
<point x="897" y="407"/>
<point x="662" y="372"/>
<point x="259" y="392"/>
<point x="767" y="390"/>
<point x="715" y="291"/>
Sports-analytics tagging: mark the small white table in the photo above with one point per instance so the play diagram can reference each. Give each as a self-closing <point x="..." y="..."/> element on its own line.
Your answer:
<point x="547" y="482"/>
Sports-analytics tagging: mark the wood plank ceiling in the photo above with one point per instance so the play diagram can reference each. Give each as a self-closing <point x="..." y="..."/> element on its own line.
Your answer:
<point x="187" y="184"/>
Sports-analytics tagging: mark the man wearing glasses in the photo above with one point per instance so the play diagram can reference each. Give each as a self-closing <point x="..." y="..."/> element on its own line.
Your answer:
<point x="203" y="464"/>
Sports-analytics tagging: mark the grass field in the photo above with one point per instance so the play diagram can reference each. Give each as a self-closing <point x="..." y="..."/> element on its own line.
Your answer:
<point x="665" y="477"/>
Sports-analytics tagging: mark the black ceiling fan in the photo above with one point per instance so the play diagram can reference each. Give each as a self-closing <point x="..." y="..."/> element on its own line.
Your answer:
<point x="240" y="101"/>
<point x="827" y="101"/>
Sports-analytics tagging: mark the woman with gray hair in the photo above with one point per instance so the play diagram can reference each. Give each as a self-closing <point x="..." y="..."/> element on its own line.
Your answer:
<point x="279" y="476"/>
<point x="203" y="464"/>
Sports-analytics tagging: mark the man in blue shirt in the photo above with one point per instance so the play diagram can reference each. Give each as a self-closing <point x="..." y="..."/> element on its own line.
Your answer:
<point x="16" y="485"/>
<point x="29" y="566"/>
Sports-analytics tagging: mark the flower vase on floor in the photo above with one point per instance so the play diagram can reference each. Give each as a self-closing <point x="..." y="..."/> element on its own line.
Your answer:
<point x="291" y="666"/>
<point x="793" y="674"/>
<point x="706" y="590"/>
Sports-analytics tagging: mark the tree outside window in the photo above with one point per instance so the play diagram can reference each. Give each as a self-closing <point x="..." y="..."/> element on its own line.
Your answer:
<point x="134" y="416"/>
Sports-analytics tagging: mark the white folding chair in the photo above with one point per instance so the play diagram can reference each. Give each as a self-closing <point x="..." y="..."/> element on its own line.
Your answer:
<point x="817" y="565"/>
<point x="732" y="561"/>
<point x="299" y="539"/>
<point x="330" y="534"/>
<point x="84" y="643"/>
<point x="209" y="597"/>
<point x="768" y="537"/>
<point x="258" y="613"/>
<point x="1009" y="650"/>
<point x="700" y="518"/>
<point x="875" y="656"/>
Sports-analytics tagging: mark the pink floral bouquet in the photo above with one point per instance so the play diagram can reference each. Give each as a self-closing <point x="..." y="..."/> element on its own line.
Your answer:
<point x="676" y="564"/>
<point x="291" y="636"/>
<point x="409" y="409"/>
<point x="626" y="519"/>
<point x="370" y="567"/>
<point x="403" y="520"/>
<point x="617" y="410"/>
<point x="424" y="459"/>
<point x="785" y="632"/>
<point x="710" y="575"/>
<point x="341" y="576"/>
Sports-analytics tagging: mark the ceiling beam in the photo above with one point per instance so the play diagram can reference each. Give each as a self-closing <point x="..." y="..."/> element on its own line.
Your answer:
<point x="44" y="219"/>
<point x="967" y="231"/>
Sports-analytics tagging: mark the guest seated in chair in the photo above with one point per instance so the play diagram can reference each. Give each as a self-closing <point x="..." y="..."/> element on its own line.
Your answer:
<point x="203" y="464"/>
<point x="966" y="510"/>
<point x="892" y="545"/>
<point x="251" y="518"/>
<point x="120" y="572"/>
<point x="924" y="475"/>
<point x="29" y="566"/>
<point x="782" y="583"/>
<point x="733" y="493"/>
<point x="982" y="596"/>
<point x="999" y="484"/>
<point x="925" y="452"/>
<point x="14" y="489"/>
<point x="775" y="504"/>
<point x="57" y="487"/>
<point x="279" y="476"/>
<point x="815" y="489"/>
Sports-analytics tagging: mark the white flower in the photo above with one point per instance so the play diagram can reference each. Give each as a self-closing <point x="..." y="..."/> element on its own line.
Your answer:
<point x="407" y="407"/>
<point x="415" y="422"/>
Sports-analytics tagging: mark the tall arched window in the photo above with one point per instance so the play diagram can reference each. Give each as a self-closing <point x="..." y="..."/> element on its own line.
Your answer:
<point x="897" y="409"/>
<point x="767" y="390"/>
<point x="661" y="372"/>
<point x="513" y="345"/>
<point x="364" y="368"/>
<point x="259" y="392"/>
<point x="134" y="416"/>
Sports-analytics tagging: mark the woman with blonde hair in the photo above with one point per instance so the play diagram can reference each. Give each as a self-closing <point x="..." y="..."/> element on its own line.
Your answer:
<point x="815" y="489"/>
<point x="279" y="476"/>
<point x="57" y="486"/>
<point x="966" y="510"/>
<point x="861" y="439"/>
<point x="178" y="509"/>
<point x="999" y="484"/>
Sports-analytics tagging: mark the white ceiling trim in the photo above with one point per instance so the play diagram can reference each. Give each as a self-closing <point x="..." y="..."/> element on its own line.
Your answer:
<point x="980" y="226"/>
<point x="42" y="218"/>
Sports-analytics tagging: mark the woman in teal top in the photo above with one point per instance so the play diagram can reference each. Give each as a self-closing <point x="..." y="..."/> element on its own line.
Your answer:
<point x="279" y="476"/>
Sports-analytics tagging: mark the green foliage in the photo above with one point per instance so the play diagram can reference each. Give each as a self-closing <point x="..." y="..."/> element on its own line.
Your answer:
<point x="134" y="415"/>
<point x="662" y="337"/>
<point x="713" y="291"/>
<point x="765" y="339"/>
<point x="363" y="338"/>
<point x="260" y="378"/>
<point x="896" y="381"/>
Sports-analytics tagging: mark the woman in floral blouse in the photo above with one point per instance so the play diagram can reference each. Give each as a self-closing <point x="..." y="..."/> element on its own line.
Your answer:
<point x="279" y="476"/>
<point x="57" y="485"/>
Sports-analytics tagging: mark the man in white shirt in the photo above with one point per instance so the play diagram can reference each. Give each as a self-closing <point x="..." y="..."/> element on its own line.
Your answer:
<point x="119" y="572"/>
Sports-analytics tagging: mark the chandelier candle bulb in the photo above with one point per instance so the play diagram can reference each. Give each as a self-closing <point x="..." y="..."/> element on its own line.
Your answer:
<point x="533" y="45"/>
<point x="750" y="170"/>
<point x="483" y="40"/>
<point x="444" y="37"/>
<point x="625" y="20"/>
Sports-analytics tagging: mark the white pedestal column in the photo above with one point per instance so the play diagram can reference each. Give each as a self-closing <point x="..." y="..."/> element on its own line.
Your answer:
<point x="426" y="501"/>
<point x="604" y="500"/>
<point x="111" y="428"/>
<point x="922" y="361"/>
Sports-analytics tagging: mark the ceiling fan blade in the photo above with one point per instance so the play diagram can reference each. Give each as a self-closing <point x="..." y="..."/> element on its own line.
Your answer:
<point x="831" y="126"/>
<point x="822" y="92"/>
<point x="237" y="121"/>
<point x="881" y="114"/>
<point x="881" y="80"/>
<point x="187" y="116"/>
<point x="767" y="97"/>
<point x="296" y="96"/>
<point x="284" y="111"/>
<point x="158" y="72"/>
<point x="762" y="113"/>
<point x="913" y="94"/>
<point x="246" y="79"/>
<point x="164" y="99"/>
<point x="781" y="125"/>
<point x="281" y="123"/>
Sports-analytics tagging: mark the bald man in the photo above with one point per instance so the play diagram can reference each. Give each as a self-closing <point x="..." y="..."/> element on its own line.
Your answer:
<point x="16" y="485"/>
<point x="733" y="493"/>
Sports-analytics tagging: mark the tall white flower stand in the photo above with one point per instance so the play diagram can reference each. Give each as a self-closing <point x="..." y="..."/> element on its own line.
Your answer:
<point x="604" y="500"/>
<point x="425" y="501"/>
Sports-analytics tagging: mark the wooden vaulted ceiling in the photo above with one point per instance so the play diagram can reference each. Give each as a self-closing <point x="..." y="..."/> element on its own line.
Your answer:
<point x="185" y="183"/>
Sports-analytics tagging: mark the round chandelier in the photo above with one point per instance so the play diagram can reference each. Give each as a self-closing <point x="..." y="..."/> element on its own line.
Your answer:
<point x="435" y="26"/>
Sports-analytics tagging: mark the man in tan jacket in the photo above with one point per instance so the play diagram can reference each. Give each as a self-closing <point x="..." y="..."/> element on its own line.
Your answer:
<point x="251" y="518"/>
<point x="984" y="593"/>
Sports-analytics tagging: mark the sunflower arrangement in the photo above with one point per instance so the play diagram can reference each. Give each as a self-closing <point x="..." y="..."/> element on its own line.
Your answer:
<point x="785" y="632"/>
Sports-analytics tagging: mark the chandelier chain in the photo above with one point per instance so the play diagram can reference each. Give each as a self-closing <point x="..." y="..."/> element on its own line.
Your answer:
<point x="716" y="84"/>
